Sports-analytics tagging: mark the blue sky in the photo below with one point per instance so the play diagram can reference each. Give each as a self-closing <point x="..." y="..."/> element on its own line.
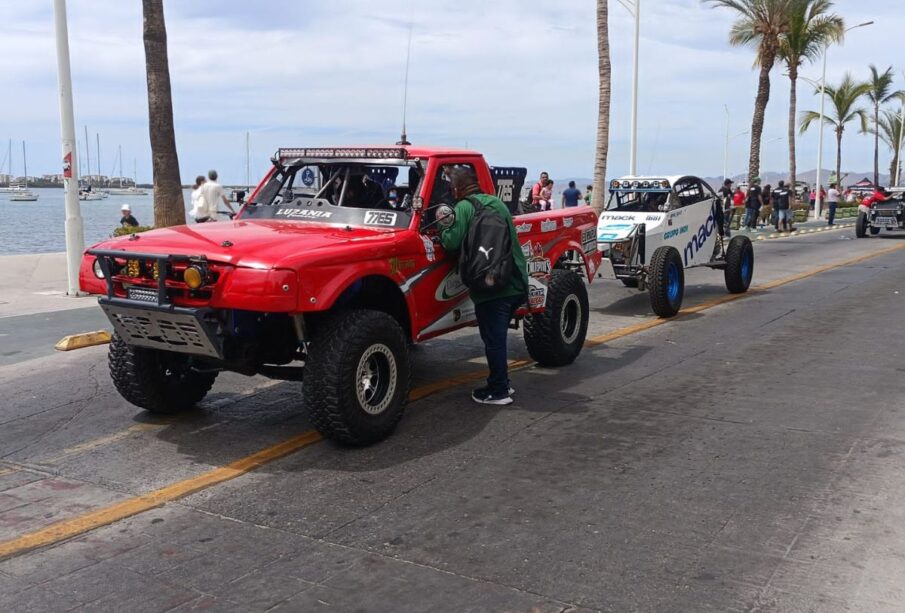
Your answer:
<point x="318" y="73"/>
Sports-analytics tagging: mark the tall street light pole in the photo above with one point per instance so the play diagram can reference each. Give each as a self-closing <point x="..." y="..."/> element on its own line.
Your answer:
<point x="634" y="9"/>
<point x="899" y="148"/>
<point x="726" y="147"/>
<point x="726" y="152"/>
<point x="819" y="201"/>
<point x="74" y="229"/>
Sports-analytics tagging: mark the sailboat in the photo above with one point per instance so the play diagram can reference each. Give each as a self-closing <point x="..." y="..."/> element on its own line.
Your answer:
<point x="10" y="187"/>
<point x="86" y="193"/>
<point x="23" y="194"/>
<point x="132" y="190"/>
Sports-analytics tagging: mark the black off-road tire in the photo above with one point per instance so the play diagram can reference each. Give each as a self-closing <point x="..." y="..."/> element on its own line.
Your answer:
<point x="739" y="265"/>
<point x="874" y="231"/>
<point x="556" y="336"/>
<point x="861" y="225"/>
<point x="336" y="397"/>
<point x="666" y="298"/>
<point x="158" y="381"/>
<point x="630" y="282"/>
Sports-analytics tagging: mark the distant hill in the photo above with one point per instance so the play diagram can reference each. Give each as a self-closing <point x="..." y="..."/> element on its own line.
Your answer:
<point x="808" y="176"/>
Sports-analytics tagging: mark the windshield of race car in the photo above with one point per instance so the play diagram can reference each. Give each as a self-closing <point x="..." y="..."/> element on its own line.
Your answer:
<point x="646" y="201"/>
<point x="341" y="192"/>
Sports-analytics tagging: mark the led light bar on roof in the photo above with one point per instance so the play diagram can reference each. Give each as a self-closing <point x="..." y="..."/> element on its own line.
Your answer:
<point x="386" y="153"/>
<point x="650" y="185"/>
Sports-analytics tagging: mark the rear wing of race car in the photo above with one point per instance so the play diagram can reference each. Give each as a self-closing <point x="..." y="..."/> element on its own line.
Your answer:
<point x="508" y="182"/>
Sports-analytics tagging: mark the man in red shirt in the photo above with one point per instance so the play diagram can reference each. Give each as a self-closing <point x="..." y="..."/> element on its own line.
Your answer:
<point x="536" y="190"/>
<point x="879" y="195"/>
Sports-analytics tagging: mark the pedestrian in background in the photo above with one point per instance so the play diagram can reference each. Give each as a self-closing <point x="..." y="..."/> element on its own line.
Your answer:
<point x="535" y="197"/>
<point x="127" y="220"/>
<point x="812" y="198"/>
<point x="781" y="205"/>
<point x="832" y="200"/>
<point x="199" y="210"/>
<point x="738" y="197"/>
<point x="753" y="202"/>
<point x="725" y="218"/>
<point x="212" y="193"/>
<point x="570" y="196"/>
<point x="546" y="195"/>
<point x="588" y="192"/>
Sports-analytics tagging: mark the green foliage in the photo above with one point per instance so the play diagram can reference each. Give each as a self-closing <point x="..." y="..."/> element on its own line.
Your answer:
<point x="842" y="98"/>
<point x="124" y="230"/>
<point x="810" y="30"/>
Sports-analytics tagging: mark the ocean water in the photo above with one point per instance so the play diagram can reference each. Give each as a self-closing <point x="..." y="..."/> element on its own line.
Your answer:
<point x="37" y="227"/>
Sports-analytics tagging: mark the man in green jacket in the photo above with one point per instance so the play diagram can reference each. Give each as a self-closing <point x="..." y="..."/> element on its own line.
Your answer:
<point x="493" y="309"/>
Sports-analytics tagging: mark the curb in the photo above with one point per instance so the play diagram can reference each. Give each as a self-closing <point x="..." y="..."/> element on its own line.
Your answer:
<point x="85" y="339"/>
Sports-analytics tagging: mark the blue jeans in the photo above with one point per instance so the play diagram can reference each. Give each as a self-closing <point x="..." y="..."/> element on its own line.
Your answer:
<point x="493" y="323"/>
<point x="750" y="218"/>
<point x="832" y="214"/>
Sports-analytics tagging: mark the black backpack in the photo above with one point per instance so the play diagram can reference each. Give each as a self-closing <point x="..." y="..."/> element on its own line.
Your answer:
<point x="485" y="260"/>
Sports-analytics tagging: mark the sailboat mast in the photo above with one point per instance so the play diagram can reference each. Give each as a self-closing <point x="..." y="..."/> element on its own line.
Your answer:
<point x="98" y="135"/>
<point x="247" y="162"/>
<point x="87" y="157"/>
<point x="120" y="156"/>
<point x="24" y="165"/>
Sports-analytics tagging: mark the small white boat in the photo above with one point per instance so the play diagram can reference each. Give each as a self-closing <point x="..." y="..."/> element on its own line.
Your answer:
<point x="91" y="196"/>
<point x="126" y="191"/>
<point x="22" y="195"/>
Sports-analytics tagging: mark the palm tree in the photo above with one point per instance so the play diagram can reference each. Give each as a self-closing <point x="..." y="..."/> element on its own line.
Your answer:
<point x="891" y="134"/>
<point x="603" y="108"/>
<point x="843" y="99"/>
<point x="810" y="31"/>
<point x="879" y="93"/>
<point x="169" y="206"/>
<point x="760" y="24"/>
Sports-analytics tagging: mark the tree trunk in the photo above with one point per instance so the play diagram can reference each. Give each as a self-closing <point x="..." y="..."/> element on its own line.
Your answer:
<point x="839" y="131"/>
<point x="603" y="108"/>
<point x="169" y="206"/>
<point x="760" y="108"/>
<point x="876" y="144"/>
<point x="793" y="103"/>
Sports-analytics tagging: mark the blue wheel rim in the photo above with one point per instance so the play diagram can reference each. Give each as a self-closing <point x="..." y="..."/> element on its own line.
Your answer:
<point x="672" y="283"/>
<point x="746" y="267"/>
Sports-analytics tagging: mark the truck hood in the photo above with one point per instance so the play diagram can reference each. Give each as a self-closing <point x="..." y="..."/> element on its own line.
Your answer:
<point x="260" y="243"/>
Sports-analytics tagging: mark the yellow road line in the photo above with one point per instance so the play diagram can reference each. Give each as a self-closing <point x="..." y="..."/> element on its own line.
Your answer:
<point x="69" y="528"/>
<point x="101" y="517"/>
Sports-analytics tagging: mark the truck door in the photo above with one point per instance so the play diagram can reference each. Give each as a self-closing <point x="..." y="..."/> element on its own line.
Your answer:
<point x="442" y="298"/>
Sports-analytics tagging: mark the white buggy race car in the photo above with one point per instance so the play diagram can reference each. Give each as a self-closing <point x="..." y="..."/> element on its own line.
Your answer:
<point x="653" y="228"/>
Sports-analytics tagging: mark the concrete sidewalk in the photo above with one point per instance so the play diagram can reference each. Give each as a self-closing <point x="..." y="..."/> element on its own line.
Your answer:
<point x="36" y="283"/>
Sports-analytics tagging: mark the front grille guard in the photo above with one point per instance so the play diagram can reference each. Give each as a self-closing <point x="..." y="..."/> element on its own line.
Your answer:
<point x="162" y="325"/>
<point x="107" y="260"/>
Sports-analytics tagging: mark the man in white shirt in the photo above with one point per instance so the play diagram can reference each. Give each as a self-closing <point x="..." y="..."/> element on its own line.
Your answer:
<point x="832" y="201"/>
<point x="211" y="195"/>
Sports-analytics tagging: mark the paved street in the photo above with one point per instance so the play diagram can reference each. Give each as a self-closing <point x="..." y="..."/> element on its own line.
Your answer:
<point x="746" y="456"/>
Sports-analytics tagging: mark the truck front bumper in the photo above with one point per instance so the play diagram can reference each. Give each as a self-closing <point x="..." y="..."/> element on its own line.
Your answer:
<point x="169" y="328"/>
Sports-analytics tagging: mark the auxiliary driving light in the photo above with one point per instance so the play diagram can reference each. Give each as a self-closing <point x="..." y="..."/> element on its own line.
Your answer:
<point x="193" y="277"/>
<point x="98" y="271"/>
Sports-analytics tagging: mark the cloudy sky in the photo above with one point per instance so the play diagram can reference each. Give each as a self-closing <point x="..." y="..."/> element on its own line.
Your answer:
<point x="309" y="72"/>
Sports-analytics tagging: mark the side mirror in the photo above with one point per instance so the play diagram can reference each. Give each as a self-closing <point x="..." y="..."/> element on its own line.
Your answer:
<point x="446" y="215"/>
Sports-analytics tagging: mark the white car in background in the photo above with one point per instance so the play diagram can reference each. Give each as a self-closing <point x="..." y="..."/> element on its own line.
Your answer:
<point x="653" y="228"/>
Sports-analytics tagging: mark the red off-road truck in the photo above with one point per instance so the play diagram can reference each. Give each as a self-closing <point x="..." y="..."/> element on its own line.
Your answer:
<point x="330" y="272"/>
